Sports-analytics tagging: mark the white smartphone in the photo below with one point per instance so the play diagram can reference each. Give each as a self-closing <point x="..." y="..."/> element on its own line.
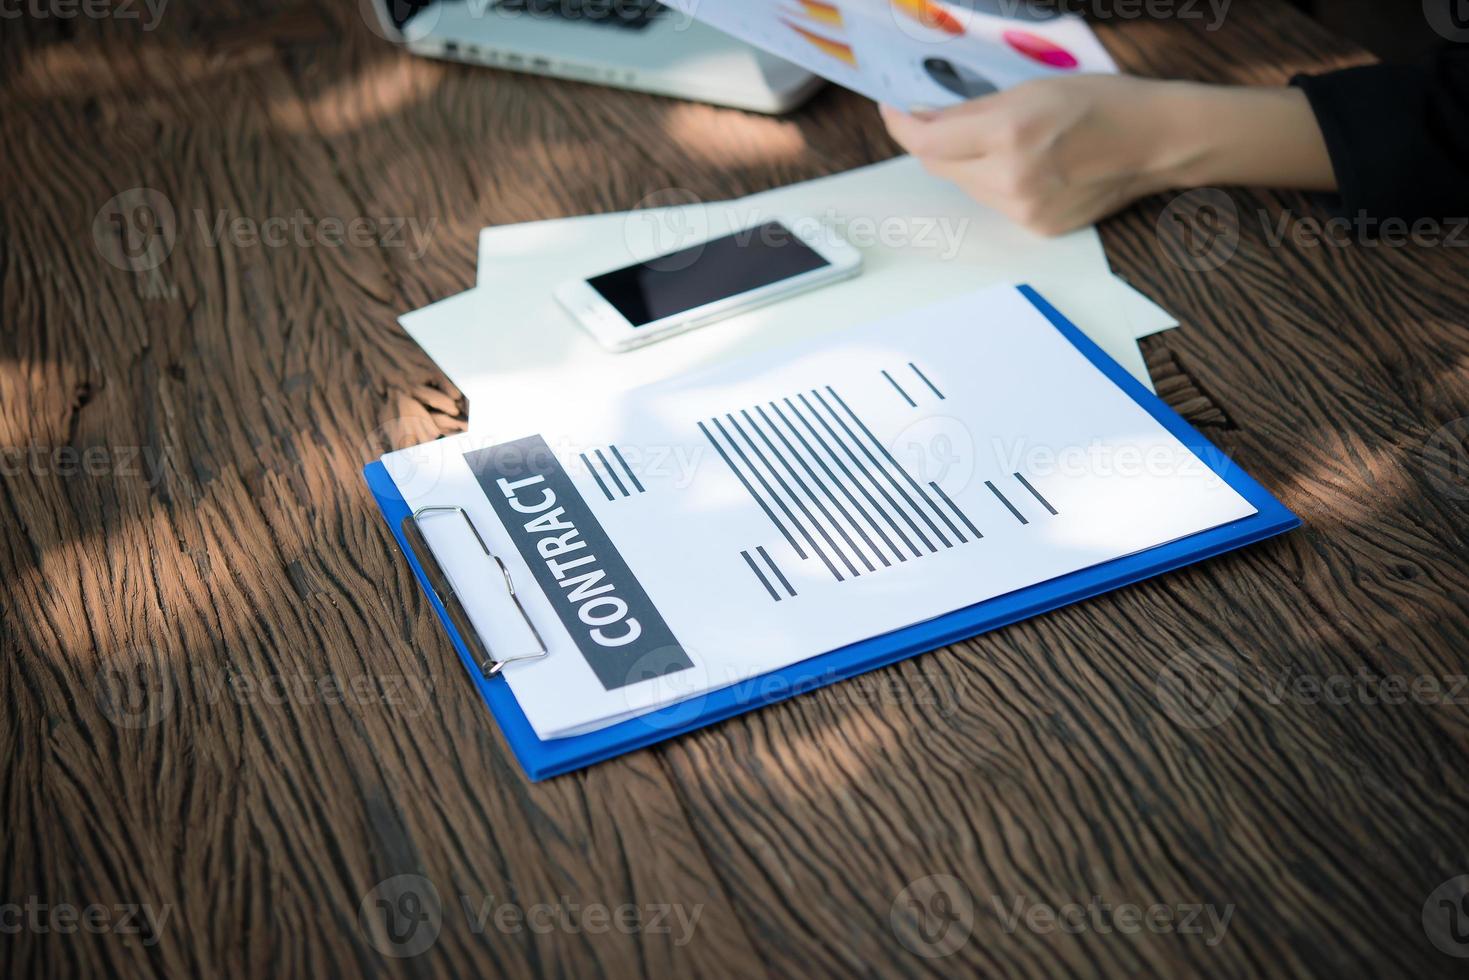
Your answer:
<point x="668" y="294"/>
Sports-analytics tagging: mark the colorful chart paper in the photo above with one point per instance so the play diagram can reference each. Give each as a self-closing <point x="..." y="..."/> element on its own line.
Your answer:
<point x="912" y="52"/>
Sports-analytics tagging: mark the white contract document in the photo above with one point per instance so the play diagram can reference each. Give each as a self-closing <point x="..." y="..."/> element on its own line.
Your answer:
<point x="704" y="530"/>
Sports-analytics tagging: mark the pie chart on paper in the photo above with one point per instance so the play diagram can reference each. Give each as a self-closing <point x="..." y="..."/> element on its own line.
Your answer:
<point x="958" y="79"/>
<point x="1041" y="50"/>
<point x="931" y="15"/>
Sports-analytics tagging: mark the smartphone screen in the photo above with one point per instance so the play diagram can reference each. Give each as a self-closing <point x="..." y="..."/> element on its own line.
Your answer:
<point x="705" y="273"/>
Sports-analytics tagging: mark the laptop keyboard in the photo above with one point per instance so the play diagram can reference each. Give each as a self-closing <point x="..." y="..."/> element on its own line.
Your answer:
<point x="632" y="15"/>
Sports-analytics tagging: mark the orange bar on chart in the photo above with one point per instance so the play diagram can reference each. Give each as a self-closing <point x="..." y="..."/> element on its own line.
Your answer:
<point x="836" y="49"/>
<point x="930" y="14"/>
<point x="821" y="12"/>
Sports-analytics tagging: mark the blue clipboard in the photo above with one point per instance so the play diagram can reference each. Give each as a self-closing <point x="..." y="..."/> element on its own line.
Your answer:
<point x="542" y="759"/>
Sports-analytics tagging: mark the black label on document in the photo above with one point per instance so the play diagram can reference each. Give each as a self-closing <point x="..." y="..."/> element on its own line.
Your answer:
<point x="613" y="622"/>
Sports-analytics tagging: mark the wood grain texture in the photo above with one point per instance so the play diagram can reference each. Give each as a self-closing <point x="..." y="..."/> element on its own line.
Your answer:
<point x="226" y="701"/>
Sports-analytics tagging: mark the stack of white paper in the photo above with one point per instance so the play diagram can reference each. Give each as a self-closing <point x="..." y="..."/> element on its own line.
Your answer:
<point x="508" y="344"/>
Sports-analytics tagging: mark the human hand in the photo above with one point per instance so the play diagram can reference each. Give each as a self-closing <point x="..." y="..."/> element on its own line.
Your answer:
<point x="1057" y="154"/>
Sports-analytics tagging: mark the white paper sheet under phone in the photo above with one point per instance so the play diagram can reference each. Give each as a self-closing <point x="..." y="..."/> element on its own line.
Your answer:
<point x="703" y="531"/>
<point x="508" y="342"/>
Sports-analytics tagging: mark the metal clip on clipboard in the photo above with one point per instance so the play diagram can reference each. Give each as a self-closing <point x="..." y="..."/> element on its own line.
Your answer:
<point x="488" y="664"/>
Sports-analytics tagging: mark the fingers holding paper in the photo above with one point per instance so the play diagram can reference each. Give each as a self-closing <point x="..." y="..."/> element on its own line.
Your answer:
<point x="1053" y="154"/>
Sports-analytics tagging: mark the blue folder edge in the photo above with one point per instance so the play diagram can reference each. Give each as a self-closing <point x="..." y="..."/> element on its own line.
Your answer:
<point x="542" y="759"/>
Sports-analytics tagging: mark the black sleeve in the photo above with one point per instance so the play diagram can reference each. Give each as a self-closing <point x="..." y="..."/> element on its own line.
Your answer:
<point x="1398" y="135"/>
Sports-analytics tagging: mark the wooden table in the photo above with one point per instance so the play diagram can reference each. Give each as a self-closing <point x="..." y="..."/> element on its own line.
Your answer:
<point x="229" y="711"/>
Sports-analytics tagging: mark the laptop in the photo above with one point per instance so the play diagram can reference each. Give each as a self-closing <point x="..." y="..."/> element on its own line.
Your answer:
<point x="632" y="44"/>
